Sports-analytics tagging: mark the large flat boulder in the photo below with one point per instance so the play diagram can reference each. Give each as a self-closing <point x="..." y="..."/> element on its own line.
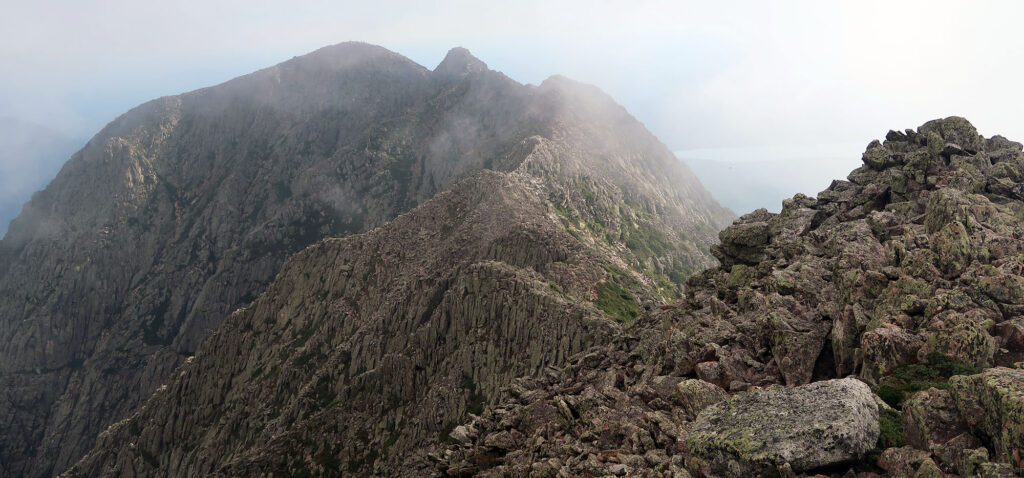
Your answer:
<point x="812" y="426"/>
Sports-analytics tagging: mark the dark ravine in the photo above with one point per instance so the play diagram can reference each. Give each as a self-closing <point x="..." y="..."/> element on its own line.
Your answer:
<point x="906" y="279"/>
<point x="184" y="209"/>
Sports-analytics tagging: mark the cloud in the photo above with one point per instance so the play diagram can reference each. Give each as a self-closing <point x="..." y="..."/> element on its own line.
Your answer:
<point x="30" y="155"/>
<point x="698" y="74"/>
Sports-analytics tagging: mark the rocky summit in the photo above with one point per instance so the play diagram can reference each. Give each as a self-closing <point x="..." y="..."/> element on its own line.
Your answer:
<point x="873" y="330"/>
<point x="537" y="220"/>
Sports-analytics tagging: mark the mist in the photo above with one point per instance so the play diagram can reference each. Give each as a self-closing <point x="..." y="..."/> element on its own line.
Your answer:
<point x="758" y="80"/>
<point x="30" y="155"/>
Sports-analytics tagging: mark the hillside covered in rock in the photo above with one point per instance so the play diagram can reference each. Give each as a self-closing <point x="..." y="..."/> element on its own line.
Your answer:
<point x="874" y="330"/>
<point x="184" y="209"/>
<point x="366" y="350"/>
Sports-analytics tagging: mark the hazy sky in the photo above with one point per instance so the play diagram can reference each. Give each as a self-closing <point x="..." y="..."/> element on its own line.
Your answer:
<point x="728" y="79"/>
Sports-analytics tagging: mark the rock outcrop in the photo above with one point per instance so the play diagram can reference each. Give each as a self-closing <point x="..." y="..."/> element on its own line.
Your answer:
<point x="905" y="275"/>
<point x="184" y="209"/>
<point x="992" y="404"/>
<point x="823" y="424"/>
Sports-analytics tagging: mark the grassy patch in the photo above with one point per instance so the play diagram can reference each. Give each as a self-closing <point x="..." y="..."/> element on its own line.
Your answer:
<point x="644" y="240"/>
<point x="614" y="296"/>
<point x="616" y="301"/>
<point x="904" y="380"/>
<point x="669" y="289"/>
<point x="890" y="435"/>
<point x="589" y="196"/>
<point x="678" y="276"/>
<point x="891" y="429"/>
<point x="563" y="211"/>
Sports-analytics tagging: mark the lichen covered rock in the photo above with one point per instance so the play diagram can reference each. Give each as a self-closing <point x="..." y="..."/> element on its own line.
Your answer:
<point x="812" y="426"/>
<point x="930" y="418"/>
<point x="696" y="395"/>
<point x="992" y="403"/>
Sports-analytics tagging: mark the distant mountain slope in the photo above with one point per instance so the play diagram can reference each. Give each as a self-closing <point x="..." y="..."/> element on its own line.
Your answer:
<point x="183" y="209"/>
<point x="30" y="155"/>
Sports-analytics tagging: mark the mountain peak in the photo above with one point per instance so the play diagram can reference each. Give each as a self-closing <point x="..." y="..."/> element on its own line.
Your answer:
<point x="459" y="61"/>
<point x="346" y="54"/>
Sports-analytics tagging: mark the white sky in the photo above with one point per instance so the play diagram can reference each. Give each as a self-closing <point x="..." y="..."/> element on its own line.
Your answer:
<point x="746" y="76"/>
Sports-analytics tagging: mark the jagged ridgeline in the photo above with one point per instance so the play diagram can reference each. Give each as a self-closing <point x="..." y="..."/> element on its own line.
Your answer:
<point x="906" y="279"/>
<point x="184" y="209"/>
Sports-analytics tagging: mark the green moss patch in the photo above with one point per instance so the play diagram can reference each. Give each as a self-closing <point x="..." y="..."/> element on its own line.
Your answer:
<point x="615" y="299"/>
<point x="890" y="429"/>
<point x="644" y="240"/>
<point x="904" y="380"/>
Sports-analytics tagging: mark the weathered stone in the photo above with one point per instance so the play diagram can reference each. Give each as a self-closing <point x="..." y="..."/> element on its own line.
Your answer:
<point x="796" y="341"/>
<point x="930" y="417"/>
<point x="1010" y="336"/>
<point x="696" y="395"/>
<point x="886" y="347"/>
<point x="969" y="462"/>
<point x="877" y="157"/>
<point x="952" y="452"/>
<point x="906" y="462"/>
<point x="992" y="404"/>
<point x="811" y="426"/>
<point x="463" y="434"/>
<point x="955" y="130"/>
<point x="713" y="372"/>
<point x="744" y="241"/>
<point x="962" y="335"/>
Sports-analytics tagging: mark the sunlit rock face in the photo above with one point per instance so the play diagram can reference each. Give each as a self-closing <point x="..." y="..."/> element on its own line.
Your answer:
<point x="184" y="209"/>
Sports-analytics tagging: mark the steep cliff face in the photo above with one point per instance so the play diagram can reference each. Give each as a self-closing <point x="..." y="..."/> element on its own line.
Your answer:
<point x="183" y="210"/>
<point x="907" y="276"/>
<point x="367" y="349"/>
